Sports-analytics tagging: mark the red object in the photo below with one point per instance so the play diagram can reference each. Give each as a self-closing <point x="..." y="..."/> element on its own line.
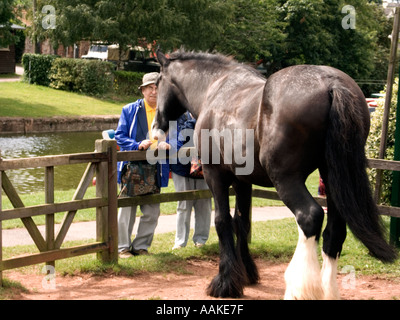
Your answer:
<point x="372" y="102"/>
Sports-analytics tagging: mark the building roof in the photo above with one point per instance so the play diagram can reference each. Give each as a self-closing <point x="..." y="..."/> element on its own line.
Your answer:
<point x="13" y="26"/>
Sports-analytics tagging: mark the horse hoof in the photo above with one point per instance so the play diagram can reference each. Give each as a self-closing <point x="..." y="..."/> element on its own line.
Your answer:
<point x="227" y="288"/>
<point x="252" y="275"/>
<point x="253" y="280"/>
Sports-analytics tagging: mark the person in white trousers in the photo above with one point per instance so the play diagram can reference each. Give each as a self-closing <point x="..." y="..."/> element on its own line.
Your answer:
<point x="183" y="182"/>
<point x="202" y="213"/>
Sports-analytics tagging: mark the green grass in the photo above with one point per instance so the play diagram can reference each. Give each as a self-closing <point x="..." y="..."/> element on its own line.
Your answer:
<point x="38" y="199"/>
<point x="276" y="241"/>
<point x="19" y="99"/>
<point x="9" y="75"/>
<point x="9" y="287"/>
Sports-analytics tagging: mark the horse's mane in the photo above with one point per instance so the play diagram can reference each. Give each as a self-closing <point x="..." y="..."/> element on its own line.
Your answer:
<point x="212" y="58"/>
<point x="201" y="56"/>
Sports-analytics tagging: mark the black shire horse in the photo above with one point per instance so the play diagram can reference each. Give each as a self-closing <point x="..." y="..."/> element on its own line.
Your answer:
<point x="300" y="119"/>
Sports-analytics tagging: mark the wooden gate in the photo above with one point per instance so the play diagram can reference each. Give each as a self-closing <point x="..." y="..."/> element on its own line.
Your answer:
<point x="103" y="163"/>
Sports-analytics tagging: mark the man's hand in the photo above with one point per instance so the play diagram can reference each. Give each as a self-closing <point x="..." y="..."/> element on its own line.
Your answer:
<point x="145" y="144"/>
<point x="163" y="146"/>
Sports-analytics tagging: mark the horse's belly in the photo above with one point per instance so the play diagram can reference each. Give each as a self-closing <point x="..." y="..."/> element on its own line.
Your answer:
<point x="258" y="177"/>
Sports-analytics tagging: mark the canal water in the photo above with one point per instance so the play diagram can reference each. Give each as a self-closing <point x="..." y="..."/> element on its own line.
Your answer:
<point x="44" y="144"/>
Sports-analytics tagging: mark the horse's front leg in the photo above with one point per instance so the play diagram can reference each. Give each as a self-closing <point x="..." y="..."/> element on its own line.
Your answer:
<point x="242" y="225"/>
<point x="232" y="276"/>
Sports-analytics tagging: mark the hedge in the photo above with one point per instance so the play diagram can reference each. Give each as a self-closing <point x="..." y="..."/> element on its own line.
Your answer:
<point x="37" y="68"/>
<point x="127" y="82"/>
<point x="87" y="76"/>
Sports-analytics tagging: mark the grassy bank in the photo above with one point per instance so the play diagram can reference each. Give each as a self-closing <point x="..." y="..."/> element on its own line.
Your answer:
<point x="18" y="99"/>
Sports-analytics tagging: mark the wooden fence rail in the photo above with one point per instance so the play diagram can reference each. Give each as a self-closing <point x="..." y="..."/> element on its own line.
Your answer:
<point x="103" y="164"/>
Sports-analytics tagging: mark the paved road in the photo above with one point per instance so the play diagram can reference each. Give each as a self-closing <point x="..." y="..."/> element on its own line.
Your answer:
<point x="87" y="230"/>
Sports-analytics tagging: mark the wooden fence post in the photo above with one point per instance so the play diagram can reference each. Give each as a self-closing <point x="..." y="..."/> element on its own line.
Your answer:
<point x="112" y="200"/>
<point x="49" y="198"/>
<point x="106" y="187"/>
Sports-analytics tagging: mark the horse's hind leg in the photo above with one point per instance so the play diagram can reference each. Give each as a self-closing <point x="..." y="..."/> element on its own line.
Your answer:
<point x="242" y="225"/>
<point x="303" y="275"/>
<point x="334" y="235"/>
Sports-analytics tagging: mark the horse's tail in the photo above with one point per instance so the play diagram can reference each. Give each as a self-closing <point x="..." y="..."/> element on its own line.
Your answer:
<point x="347" y="180"/>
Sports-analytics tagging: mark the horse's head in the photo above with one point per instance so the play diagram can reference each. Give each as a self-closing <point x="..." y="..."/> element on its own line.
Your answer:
<point x="171" y="102"/>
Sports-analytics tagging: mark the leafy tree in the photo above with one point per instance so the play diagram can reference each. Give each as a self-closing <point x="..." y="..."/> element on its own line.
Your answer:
<point x="315" y="36"/>
<point x="292" y="32"/>
<point x="6" y="18"/>
<point x="172" y="23"/>
<point x="202" y="26"/>
<point x="10" y="12"/>
<point x="254" y="32"/>
<point x="308" y="38"/>
<point x="281" y="32"/>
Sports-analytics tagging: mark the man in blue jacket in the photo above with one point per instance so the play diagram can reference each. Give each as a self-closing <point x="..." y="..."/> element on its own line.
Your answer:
<point x="134" y="133"/>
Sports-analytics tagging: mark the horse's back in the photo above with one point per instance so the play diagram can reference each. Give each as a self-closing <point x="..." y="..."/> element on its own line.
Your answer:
<point x="295" y="111"/>
<point x="303" y="94"/>
<point x="232" y="102"/>
<point x="302" y="82"/>
<point x="295" y="103"/>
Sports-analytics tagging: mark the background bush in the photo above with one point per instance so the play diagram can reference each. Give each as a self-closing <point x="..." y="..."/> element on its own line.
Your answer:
<point x="37" y="68"/>
<point x="97" y="76"/>
<point x="64" y="75"/>
<point x="91" y="77"/>
<point x="374" y="140"/>
<point x="87" y="76"/>
<point x="127" y="83"/>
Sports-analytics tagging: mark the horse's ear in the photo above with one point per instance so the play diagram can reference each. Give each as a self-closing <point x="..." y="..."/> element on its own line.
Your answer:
<point x="162" y="59"/>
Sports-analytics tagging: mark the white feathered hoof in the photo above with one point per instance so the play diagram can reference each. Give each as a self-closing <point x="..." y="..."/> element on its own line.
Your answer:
<point x="329" y="278"/>
<point x="303" y="275"/>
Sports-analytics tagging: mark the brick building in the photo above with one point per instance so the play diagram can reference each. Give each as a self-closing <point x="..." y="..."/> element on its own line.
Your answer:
<point x="45" y="47"/>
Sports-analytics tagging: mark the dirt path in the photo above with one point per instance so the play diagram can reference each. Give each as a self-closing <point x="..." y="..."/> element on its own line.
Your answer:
<point x="188" y="286"/>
